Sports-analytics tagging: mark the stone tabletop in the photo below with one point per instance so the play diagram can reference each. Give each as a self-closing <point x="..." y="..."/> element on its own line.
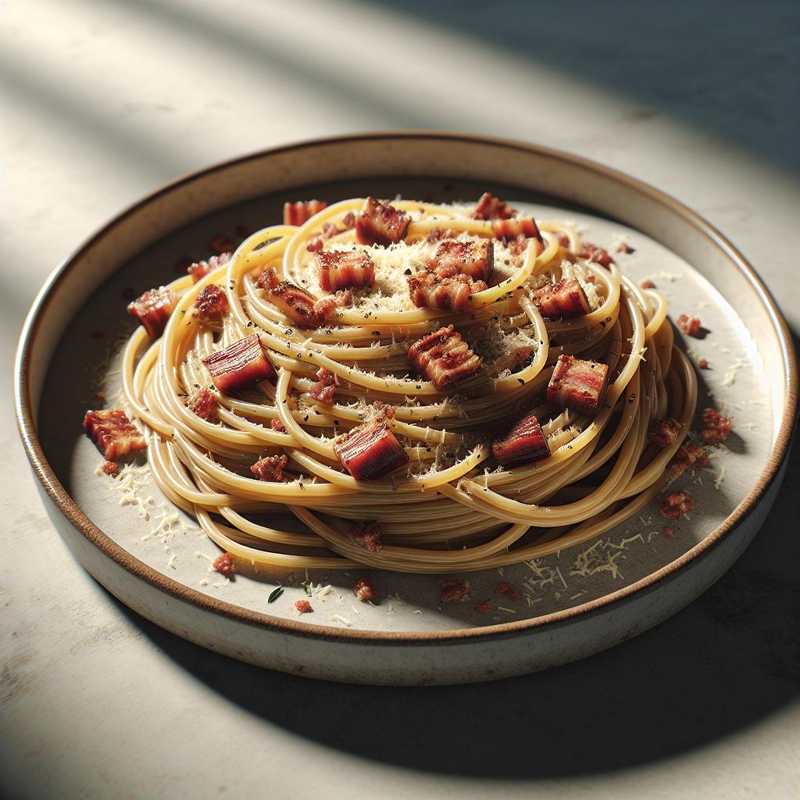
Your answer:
<point x="103" y="102"/>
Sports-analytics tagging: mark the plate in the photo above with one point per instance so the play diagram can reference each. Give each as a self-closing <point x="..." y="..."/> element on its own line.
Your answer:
<point x="570" y="604"/>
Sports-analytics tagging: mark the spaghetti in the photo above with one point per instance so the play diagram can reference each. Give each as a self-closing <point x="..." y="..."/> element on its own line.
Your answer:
<point x="234" y="459"/>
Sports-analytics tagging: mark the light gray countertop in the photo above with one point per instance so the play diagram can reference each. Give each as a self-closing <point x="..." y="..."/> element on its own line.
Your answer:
<point x="103" y="102"/>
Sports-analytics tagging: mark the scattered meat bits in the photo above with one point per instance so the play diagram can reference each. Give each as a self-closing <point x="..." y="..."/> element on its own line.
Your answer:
<point x="703" y="364"/>
<point x="222" y="244"/>
<point x="152" y="309"/>
<point x="688" y="456"/>
<point x="224" y="564"/>
<point x="491" y="207"/>
<point x="110" y="468"/>
<point x="204" y="403"/>
<point x="647" y="284"/>
<point x="484" y="608"/>
<point x="324" y="389"/>
<point x="597" y="255"/>
<point x="303" y="606"/>
<point x="199" y="269"/>
<point x="381" y="224"/>
<point x="300" y="212"/>
<point x="454" y="590"/>
<point x="676" y="505"/>
<point x="444" y="357"/>
<point x="689" y="325"/>
<point x="270" y="468"/>
<point x="716" y="427"/>
<point x="665" y="432"/>
<point x="624" y="247"/>
<point x="113" y="433"/>
<point x="368" y="536"/>
<point x="504" y="587"/>
<point x="211" y="304"/>
<point x="277" y="425"/>
<point x="668" y="531"/>
<point x="364" y="590"/>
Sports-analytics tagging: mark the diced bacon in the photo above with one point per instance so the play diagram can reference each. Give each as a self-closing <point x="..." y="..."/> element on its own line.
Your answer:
<point x="689" y="325"/>
<point x="504" y="587"/>
<point x="113" y="433"/>
<point x="519" y="226"/>
<point x="303" y="606"/>
<point x="524" y="442"/>
<point x="200" y="269"/>
<point x="368" y="536"/>
<point x="444" y="357"/>
<point x="342" y="269"/>
<point x="703" y="364"/>
<point x="484" y="608"/>
<point x="224" y="564"/>
<point x="688" y="456"/>
<point x="577" y="384"/>
<point x="428" y="290"/>
<point x="270" y="468"/>
<point x="454" y="590"/>
<point x="296" y="303"/>
<point x="300" y="212"/>
<point x="491" y="207"/>
<point x="315" y="245"/>
<point x="381" y="224"/>
<point x="716" y="427"/>
<point x="668" y="531"/>
<point x="565" y="298"/>
<point x="152" y="309"/>
<point x="624" y="247"/>
<point x="365" y="591"/>
<point x="472" y="258"/>
<point x="324" y="389"/>
<point x="598" y="255"/>
<point x="676" y="505"/>
<point x="204" y="403"/>
<point x="370" y="450"/>
<point x="563" y="241"/>
<point x="239" y="365"/>
<point x="665" y="432"/>
<point x="211" y="304"/>
<point x="110" y="468"/>
<point x="647" y="284"/>
<point x="277" y="425"/>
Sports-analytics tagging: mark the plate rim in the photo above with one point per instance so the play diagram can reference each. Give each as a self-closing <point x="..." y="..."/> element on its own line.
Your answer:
<point x="72" y="512"/>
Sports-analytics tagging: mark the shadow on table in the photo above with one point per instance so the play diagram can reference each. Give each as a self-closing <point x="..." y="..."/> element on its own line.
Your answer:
<point x="724" y="663"/>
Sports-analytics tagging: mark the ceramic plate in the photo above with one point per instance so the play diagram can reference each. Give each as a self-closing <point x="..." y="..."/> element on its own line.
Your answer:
<point x="570" y="604"/>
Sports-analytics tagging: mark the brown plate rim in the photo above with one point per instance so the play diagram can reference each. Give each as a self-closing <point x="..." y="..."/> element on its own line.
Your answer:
<point x="72" y="512"/>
